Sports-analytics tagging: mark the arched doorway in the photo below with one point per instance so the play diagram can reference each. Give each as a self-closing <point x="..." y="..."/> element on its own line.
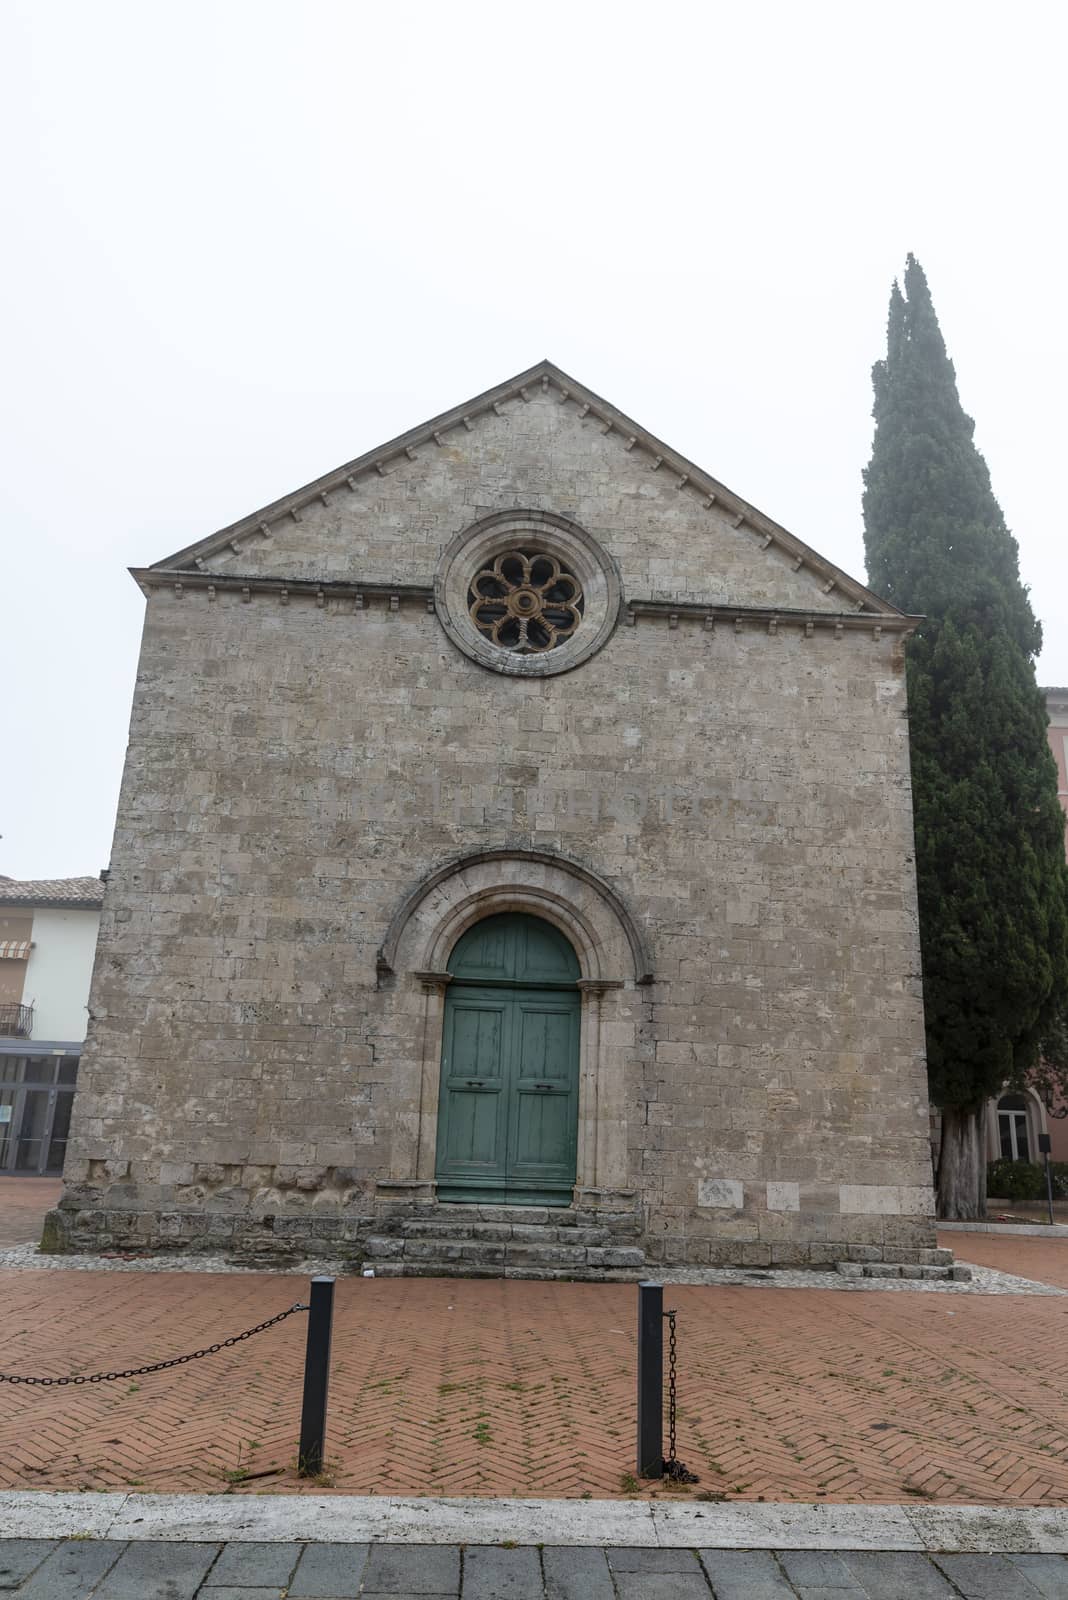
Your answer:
<point x="508" y="1107"/>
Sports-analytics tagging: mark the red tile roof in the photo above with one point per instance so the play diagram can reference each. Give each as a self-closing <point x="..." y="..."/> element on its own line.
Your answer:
<point x="83" y="893"/>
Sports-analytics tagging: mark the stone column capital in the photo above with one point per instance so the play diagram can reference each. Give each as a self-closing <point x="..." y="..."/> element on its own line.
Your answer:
<point x="434" y="982"/>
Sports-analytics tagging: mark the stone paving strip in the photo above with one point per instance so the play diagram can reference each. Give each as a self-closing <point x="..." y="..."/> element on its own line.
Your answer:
<point x="985" y="1280"/>
<point x="114" y="1569"/>
<point x="32" y="1516"/>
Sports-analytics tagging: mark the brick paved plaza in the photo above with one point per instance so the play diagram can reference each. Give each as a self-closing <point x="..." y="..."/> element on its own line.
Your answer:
<point x="513" y="1388"/>
<point x="105" y="1569"/>
<point x="23" y="1203"/>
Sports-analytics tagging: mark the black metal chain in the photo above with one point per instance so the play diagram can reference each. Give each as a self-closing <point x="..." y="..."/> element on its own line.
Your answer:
<point x="157" y="1366"/>
<point x="673" y="1467"/>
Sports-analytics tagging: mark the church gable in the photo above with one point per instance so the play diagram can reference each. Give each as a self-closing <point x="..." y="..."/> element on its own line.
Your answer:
<point x="541" y="443"/>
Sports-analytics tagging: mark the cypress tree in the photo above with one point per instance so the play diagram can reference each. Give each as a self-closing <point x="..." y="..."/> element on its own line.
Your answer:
<point x="993" y="889"/>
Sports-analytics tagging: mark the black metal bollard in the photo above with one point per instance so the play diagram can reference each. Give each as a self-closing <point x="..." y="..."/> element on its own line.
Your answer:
<point x="1045" y="1145"/>
<point x="650" y="1380"/>
<point x="316" y="1378"/>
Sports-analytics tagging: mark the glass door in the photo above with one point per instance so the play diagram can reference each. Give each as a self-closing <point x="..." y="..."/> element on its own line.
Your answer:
<point x="36" y="1100"/>
<point x="8" y="1094"/>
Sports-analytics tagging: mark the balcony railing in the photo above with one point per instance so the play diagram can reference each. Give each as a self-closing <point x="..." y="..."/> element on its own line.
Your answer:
<point x="16" y="1022"/>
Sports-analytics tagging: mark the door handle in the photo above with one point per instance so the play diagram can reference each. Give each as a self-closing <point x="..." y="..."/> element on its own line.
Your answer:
<point x="542" y="1087"/>
<point x="475" y="1083"/>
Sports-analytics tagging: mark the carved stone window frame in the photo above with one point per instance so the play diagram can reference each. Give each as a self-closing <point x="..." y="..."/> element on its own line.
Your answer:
<point x="477" y="546"/>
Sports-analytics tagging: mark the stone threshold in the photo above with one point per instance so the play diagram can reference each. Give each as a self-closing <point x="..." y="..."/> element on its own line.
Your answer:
<point x="357" y="1519"/>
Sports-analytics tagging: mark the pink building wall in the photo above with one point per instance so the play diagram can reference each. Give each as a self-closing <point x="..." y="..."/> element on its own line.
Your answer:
<point x="1057" y="707"/>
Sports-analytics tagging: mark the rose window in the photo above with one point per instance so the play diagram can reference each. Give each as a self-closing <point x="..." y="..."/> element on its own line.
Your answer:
<point x="525" y="601"/>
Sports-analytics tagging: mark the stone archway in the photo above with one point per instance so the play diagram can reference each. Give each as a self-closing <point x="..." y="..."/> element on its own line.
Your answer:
<point x="613" y="963"/>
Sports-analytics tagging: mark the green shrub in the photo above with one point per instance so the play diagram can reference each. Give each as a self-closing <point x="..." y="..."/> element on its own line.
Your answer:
<point x="1016" y="1180"/>
<point x="1025" y="1180"/>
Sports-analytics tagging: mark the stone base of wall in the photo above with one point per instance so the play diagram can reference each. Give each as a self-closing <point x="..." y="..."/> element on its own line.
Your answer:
<point x="401" y="1230"/>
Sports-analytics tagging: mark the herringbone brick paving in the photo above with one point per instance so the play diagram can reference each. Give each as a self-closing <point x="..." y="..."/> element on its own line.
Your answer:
<point x="1044" y="1259"/>
<point x="454" y="1387"/>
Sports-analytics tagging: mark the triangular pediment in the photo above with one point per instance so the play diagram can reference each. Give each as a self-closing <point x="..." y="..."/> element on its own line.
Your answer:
<point x="752" y="560"/>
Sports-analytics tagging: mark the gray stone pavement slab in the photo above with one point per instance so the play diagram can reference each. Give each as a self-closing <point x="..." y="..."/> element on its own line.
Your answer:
<point x="892" y="1575"/>
<point x="158" y="1570"/>
<point x="1047" y="1574"/>
<point x="95" y="1569"/>
<point x="402" y="1569"/>
<point x="576" y="1572"/>
<point x="208" y="1593"/>
<point x="747" y="1575"/>
<point x="252" y="1565"/>
<point x="662" y="1585"/>
<point x="629" y="1559"/>
<point x="329" y="1572"/>
<point x="18" y="1557"/>
<point x="986" y="1577"/>
<point x="815" y="1573"/>
<point x="73" y="1570"/>
<point x="491" y="1574"/>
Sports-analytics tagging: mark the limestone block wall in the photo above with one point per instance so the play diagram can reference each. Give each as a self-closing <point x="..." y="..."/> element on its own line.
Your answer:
<point x="252" y="1076"/>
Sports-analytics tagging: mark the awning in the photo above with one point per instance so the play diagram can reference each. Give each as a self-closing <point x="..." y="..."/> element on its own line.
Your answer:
<point x="14" y="949"/>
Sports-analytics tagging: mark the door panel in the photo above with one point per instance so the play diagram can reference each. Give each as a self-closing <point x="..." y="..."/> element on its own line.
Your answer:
<point x="543" y="1133"/>
<point x="512" y="948"/>
<point x="515" y="1050"/>
<point x="57" y="1141"/>
<point x="33" y="1131"/>
<point x="9" y="1121"/>
<point x="473" y="1109"/>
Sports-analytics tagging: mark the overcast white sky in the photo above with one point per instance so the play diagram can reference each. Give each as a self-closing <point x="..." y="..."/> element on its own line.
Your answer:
<point x="249" y="240"/>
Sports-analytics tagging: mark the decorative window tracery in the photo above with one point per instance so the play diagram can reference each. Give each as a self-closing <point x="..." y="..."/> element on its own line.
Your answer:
<point x="526" y="602"/>
<point x="527" y="593"/>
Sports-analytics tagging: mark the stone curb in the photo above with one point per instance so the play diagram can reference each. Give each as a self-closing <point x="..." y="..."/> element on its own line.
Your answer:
<point x="354" y="1519"/>
<point x="1032" y="1230"/>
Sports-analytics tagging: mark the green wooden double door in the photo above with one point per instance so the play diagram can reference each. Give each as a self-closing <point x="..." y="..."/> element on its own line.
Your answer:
<point x="508" y="1108"/>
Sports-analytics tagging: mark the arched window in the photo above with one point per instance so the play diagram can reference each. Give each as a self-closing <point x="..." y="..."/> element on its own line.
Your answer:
<point x="1013" y="1133"/>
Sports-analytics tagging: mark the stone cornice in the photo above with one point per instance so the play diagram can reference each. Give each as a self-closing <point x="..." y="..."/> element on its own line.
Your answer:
<point x="690" y="479"/>
<point x="739" y="617"/>
<point x="283" y="589"/>
<point x="709" y="616"/>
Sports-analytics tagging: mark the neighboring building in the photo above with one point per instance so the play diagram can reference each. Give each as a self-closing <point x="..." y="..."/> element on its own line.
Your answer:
<point x="516" y="833"/>
<point x="1014" y="1122"/>
<point x="48" y="932"/>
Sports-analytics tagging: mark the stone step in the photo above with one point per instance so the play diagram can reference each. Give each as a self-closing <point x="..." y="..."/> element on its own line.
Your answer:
<point x="497" y="1233"/>
<point x="501" y="1257"/>
<point x="396" y="1218"/>
<point x="466" y="1269"/>
<point x="904" y="1269"/>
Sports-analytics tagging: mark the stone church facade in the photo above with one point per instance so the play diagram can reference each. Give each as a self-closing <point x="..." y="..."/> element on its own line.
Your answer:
<point x="513" y="873"/>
